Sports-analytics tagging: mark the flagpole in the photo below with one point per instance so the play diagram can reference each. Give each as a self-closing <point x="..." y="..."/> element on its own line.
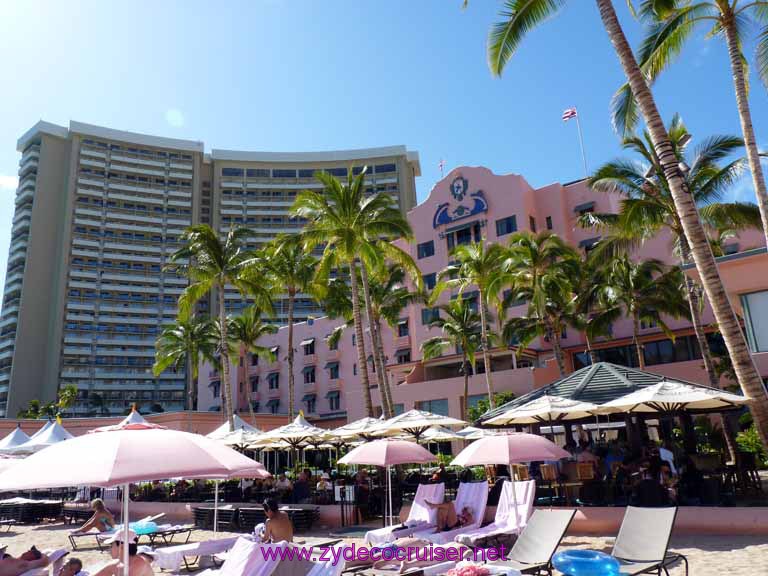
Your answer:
<point x="581" y="144"/>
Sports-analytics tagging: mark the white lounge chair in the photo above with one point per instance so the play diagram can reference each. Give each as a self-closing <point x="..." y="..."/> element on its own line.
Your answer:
<point x="56" y="558"/>
<point x="246" y="558"/>
<point x="471" y="494"/>
<point x="420" y="517"/>
<point x="512" y="513"/>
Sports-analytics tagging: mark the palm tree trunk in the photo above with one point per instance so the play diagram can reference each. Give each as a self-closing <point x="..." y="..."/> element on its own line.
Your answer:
<point x="362" y="363"/>
<point x="558" y="350"/>
<point x="378" y="347"/>
<point x="226" y="386"/>
<point x="486" y="355"/>
<point x="191" y="388"/>
<point x="636" y="340"/>
<point x="383" y="361"/>
<point x="745" y="117"/>
<point x="465" y="397"/>
<point x="593" y="359"/>
<point x="749" y="379"/>
<point x="291" y="378"/>
<point x="248" y="391"/>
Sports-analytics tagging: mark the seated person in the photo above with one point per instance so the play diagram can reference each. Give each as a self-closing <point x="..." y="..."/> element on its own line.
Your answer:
<point x="138" y="565"/>
<point x="323" y="484"/>
<point x="102" y="519"/>
<point x="447" y="519"/>
<point x="301" y="489"/>
<point x="278" y="526"/>
<point x="29" y="560"/>
<point x="72" y="567"/>
<point x="283" y="484"/>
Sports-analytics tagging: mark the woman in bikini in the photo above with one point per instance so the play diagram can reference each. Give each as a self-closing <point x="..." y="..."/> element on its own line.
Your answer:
<point x="102" y="519"/>
<point x="448" y="519"/>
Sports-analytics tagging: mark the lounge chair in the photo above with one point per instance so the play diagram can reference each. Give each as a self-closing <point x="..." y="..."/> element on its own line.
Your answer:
<point x="512" y="513"/>
<point x="420" y="517"/>
<point x="642" y="544"/>
<point x="245" y="558"/>
<point x="472" y="494"/>
<point x="533" y="550"/>
<point x="57" y="560"/>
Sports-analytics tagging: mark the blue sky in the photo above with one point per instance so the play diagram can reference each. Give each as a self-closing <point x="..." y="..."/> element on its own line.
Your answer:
<point x="313" y="75"/>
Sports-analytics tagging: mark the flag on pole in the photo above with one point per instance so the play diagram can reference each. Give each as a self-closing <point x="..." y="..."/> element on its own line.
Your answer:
<point x="569" y="113"/>
<point x="441" y="165"/>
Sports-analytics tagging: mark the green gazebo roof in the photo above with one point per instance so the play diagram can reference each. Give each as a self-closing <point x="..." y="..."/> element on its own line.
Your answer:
<point x="598" y="383"/>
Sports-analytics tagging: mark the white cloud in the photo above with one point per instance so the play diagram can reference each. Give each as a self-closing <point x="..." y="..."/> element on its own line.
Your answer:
<point x="174" y="117"/>
<point x="8" y="182"/>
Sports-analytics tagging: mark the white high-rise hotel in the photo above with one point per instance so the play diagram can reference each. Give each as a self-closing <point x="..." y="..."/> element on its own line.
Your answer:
<point x="98" y="212"/>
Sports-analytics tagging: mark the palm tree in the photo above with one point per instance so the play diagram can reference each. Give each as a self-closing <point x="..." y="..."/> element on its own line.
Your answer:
<point x="480" y="265"/>
<point x="645" y="291"/>
<point x="186" y="343"/>
<point x="648" y="208"/>
<point x="505" y="37"/>
<point x="246" y="330"/>
<point x="591" y="316"/>
<point x="670" y="24"/>
<point x="293" y="269"/>
<point x="460" y="326"/>
<point x="212" y="264"/>
<point x="542" y="271"/>
<point x="352" y="227"/>
<point x="389" y="296"/>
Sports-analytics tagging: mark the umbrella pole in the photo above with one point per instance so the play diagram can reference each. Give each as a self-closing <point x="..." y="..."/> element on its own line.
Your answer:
<point x="215" y="508"/>
<point x="389" y="489"/>
<point x="126" y="528"/>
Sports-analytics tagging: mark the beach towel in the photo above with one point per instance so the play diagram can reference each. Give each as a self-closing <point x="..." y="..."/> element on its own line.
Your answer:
<point x="471" y="494"/>
<point x="247" y="558"/>
<point x="172" y="557"/>
<point x="512" y="513"/>
<point x="420" y="517"/>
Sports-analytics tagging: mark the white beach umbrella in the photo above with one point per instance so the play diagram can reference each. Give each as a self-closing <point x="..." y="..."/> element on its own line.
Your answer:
<point x="440" y="434"/>
<point x="14" y="439"/>
<point x="295" y="434"/>
<point x="239" y="437"/>
<point x="240" y="424"/>
<point x="53" y="434"/>
<point x="416" y="422"/>
<point x="673" y="397"/>
<point x="474" y="433"/>
<point x="545" y="409"/>
<point x="363" y="428"/>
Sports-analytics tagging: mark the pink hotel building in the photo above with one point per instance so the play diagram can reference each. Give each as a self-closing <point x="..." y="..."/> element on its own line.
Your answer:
<point x="468" y="204"/>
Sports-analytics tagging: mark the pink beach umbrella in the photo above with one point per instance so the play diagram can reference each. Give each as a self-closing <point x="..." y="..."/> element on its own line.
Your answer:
<point x="509" y="449"/>
<point x="122" y="457"/>
<point x="387" y="453"/>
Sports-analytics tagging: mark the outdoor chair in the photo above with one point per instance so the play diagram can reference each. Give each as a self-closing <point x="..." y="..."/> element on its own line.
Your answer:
<point x="642" y="544"/>
<point x="533" y="550"/>
<point x="512" y="514"/>
<point x="419" y="516"/>
<point x="475" y="496"/>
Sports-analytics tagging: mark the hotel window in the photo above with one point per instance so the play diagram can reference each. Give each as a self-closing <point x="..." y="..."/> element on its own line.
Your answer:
<point x="425" y="249"/>
<point x="439" y="406"/>
<point x="254" y="360"/>
<point x="403" y="356"/>
<point x="402" y="328"/>
<point x="463" y="235"/>
<point x="398" y="409"/>
<point x="382" y="168"/>
<point x="282" y="173"/>
<point x="333" y="370"/>
<point x="336" y="171"/>
<point x="506" y="225"/>
<point x="549" y="222"/>
<point x="310" y="402"/>
<point x="429" y="315"/>
<point x="306" y="173"/>
<point x="216" y="389"/>
<point x="429" y="280"/>
<point x="274" y="405"/>
<point x="333" y="343"/>
<point x="354" y="369"/>
<point x="646" y="324"/>
<point x="334" y="400"/>
<point x="309" y="346"/>
<point x="474" y="399"/>
<point x="358" y="170"/>
<point x="274" y="380"/>
<point x="755" y="307"/>
<point x="254" y="383"/>
<point x="585" y="208"/>
<point x="309" y="375"/>
<point x="257" y="173"/>
<point x="532" y="223"/>
<point x="231" y="171"/>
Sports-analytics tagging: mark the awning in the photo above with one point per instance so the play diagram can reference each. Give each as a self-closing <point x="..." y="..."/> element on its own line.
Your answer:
<point x="403" y="351"/>
<point x="331" y="365"/>
<point x="332" y="394"/>
<point x="273" y="402"/>
<point x="308" y="397"/>
<point x="307" y="369"/>
<point x="402" y="321"/>
<point x="583" y="207"/>
<point x="589" y="242"/>
<point x="274" y="349"/>
<point x="307" y="342"/>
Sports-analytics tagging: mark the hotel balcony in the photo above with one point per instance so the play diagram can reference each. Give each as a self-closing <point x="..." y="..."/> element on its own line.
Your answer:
<point x="24" y="195"/>
<point x="310" y="388"/>
<point x="94" y="153"/>
<point x="133" y="169"/>
<point x="137" y="160"/>
<point x="309" y="359"/>
<point x="274" y="393"/>
<point x="332" y="355"/>
<point x="336" y="384"/>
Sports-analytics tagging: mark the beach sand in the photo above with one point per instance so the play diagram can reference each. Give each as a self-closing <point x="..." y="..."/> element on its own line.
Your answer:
<point x="708" y="555"/>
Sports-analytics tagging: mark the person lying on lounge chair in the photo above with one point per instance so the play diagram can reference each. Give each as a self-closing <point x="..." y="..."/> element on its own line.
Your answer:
<point x="138" y="564"/>
<point x="447" y="518"/>
<point x="72" y="567"/>
<point x="29" y="560"/>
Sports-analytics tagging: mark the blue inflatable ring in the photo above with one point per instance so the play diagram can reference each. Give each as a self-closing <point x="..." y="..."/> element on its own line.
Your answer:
<point x="585" y="563"/>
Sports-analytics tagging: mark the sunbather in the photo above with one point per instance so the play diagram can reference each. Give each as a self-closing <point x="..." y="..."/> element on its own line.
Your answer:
<point x="278" y="526"/>
<point x="102" y="519"/>
<point x="29" y="560"/>
<point x="448" y="519"/>
<point x="138" y="564"/>
<point x="71" y="567"/>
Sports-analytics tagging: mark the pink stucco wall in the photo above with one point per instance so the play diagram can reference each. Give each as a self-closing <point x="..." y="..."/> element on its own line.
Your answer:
<point x="505" y="196"/>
